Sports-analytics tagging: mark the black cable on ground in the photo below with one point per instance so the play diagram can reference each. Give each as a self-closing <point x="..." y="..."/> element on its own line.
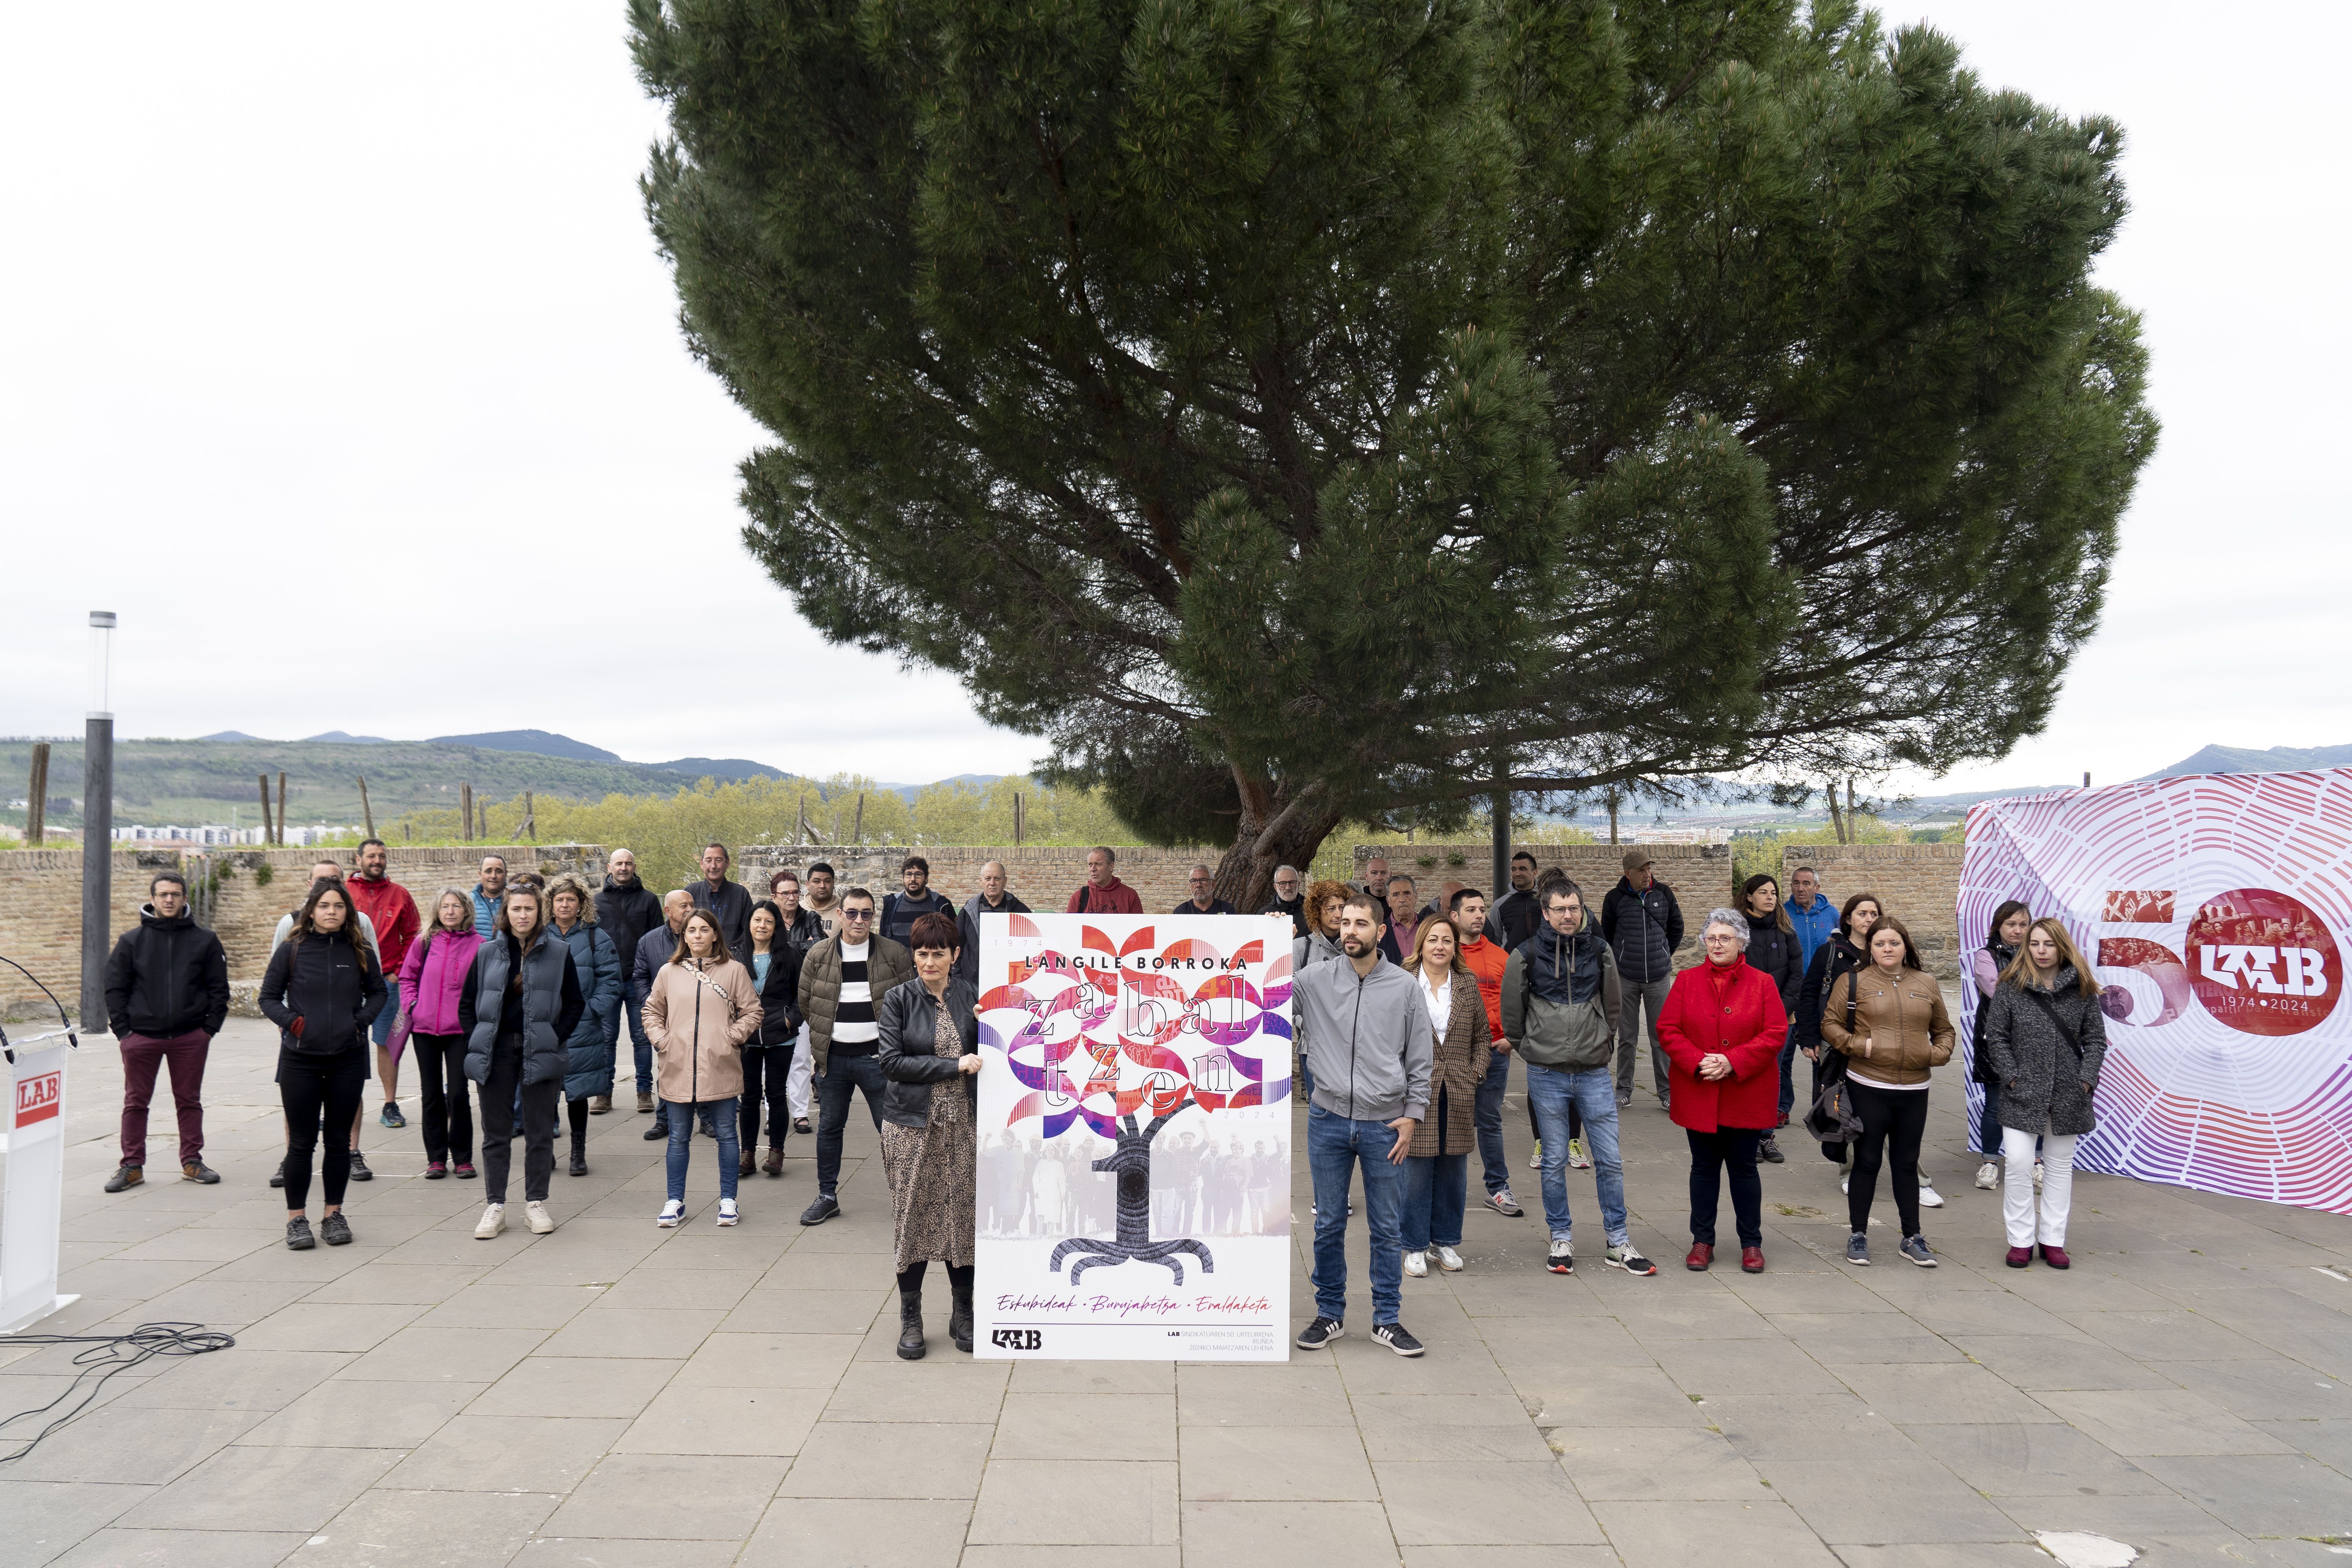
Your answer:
<point x="107" y="1355"/>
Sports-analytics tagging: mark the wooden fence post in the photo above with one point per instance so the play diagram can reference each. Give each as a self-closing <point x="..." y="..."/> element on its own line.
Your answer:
<point x="269" y="832"/>
<point x="367" y="812"/>
<point x="281" y="807"/>
<point x="36" y="805"/>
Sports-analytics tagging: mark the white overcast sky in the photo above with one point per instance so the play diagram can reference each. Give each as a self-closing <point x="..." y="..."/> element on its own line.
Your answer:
<point x="336" y="358"/>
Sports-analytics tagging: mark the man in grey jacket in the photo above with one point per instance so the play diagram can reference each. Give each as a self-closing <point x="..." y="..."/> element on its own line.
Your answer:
<point x="1365" y="1035"/>
<point x="1560" y="996"/>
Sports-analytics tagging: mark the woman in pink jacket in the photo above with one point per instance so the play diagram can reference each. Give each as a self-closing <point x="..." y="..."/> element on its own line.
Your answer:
<point x="431" y="978"/>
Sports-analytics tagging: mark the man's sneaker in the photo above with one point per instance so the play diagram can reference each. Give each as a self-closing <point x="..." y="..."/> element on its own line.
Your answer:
<point x="822" y="1207"/>
<point x="335" y="1230"/>
<point x="125" y="1177"/>
<point x="1857" y="1250"/>
<point x="1929" y="1198"/>
<point x="1449" y="1260"/>
<point x="1915" y="1248"/>
<point x="1562" y="1259"/>
<point x="297" y="1234"/>
<point x="1535" y="1155"/>
<point x="673" y="1211"/>
<point x="1988" y="1177"/>
<point x="197" y="1171"/>
<point x="1320" y="1333"/>
<point x="1577" y="1160"/>
<point x="1768" y="1149"/>
<point x="436" y="1170"/>
<point x="535" y="1214"/>
<point x="1504" y="1204"/>
<point x="392" y="1116"/>
<point x="493" y="1220"/>
<point x="359" y="1172"/>
<point x="1631" y="1261"/>
<point x="464" y="1171"/>
<point x="1416" y="1264"/>
<point x="1395" y="1336"/>
<point x="278" y="1177"/>
<point x="727" y="1215"/>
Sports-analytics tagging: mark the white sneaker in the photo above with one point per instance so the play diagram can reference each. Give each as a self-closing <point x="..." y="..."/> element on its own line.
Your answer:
<point x="1843" y="1182"/>
<point x="1449" y="1260"/>
<point x="2037" y="1175"/>
<point x="1988" y="1177"/>
<point x="1416" y="1264"/>
<point x="1929" y="1198"/>
<point x="672" y="1212"/>
<point x="493" y="1220"/>
<point x="1535" y="1158"/>
<point x="535" y="1214"/>
<point x="727" y="1211"/>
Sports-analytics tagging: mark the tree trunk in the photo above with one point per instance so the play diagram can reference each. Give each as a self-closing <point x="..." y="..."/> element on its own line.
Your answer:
<point x="1277" y="829"/>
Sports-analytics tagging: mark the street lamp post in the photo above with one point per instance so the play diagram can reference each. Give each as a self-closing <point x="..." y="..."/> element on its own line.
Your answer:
<point x="98" y="822"/>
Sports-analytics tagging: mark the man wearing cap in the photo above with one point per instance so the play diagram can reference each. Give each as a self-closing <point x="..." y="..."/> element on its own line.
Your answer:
<point x="1643" y="925"/>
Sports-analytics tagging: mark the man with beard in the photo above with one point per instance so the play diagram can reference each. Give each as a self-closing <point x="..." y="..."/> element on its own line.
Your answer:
<point x="627" y="910"/>
<point x="1289" y="899"/>
<point x="393" y="915"/>
<point x="1366" y="1037"/>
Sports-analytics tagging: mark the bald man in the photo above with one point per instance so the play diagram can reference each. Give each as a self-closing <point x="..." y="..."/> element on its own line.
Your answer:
<point x="992" y="899"/>
<point x="1204" y="899"/>
<point x="653" y="948"/>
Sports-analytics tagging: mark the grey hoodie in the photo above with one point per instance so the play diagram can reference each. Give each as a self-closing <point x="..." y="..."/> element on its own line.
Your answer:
<point x="1366" y="1039"/>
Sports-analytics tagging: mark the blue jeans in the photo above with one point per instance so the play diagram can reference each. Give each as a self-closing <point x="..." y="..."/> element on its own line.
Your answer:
<point x="1552" y="1092"/>
<point x="1989" y="1122"/>
<point x="722" y="1114"/>
<point x="1437" y="1191"/>
<point x="643" y="1046"/>
<point x="1486" y="1111"/>
<point x="1335" y="1147"/>
<point x="1789" y="1071"/>
<point x="841" y="1075"/>
<point x="380" y="1030"/>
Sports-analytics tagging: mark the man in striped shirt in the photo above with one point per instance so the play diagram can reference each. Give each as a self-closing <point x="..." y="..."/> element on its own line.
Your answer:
<point x="841" y="980"/>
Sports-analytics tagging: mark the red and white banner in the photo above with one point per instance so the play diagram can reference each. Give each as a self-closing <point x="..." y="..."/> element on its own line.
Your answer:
<point x="2210" y="907"/>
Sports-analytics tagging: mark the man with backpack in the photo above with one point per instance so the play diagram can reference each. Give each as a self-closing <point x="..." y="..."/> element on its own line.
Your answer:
<point x="1643" y="925"/>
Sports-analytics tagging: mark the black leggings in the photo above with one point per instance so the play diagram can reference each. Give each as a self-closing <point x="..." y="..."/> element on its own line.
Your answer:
<point x="1890" y="1117"/>
<point x="910" y="1277"/>
<point x="447" y="1111"/>
<point x="304" y="1091"/>
<point x="770" y="1066"/>
<point x="578" y="1110"/>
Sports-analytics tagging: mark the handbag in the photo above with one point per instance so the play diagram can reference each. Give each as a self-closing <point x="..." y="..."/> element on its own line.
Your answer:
<point x="1833" y="1121"/>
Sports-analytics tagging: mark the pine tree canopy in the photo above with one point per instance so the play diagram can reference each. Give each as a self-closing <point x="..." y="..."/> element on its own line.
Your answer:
<point x="1300" y="411"/>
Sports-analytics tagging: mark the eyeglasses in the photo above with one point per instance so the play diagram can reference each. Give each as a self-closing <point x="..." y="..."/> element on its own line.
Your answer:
<point x="857" y="915"/>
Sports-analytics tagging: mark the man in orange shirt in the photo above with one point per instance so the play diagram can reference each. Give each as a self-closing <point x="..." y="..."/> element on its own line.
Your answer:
<point x="1486" y="960"/>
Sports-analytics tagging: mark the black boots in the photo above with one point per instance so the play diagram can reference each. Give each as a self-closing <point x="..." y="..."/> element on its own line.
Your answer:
<point x="959" y="1315"/>
<point x="911" y="1325"/>
<point x="579" y="1155"/>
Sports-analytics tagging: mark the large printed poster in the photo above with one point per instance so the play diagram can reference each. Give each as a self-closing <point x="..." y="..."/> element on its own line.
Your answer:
<point x="2212" y="908"/>
<point x="1134" y="1138"/>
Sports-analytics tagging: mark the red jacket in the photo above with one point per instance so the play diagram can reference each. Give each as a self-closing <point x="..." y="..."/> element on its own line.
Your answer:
<point x="1486" y="960"/>
<point x="1117" y="898"/>
<point x="1734" y="1012"/>
<point x="392" y="912"/>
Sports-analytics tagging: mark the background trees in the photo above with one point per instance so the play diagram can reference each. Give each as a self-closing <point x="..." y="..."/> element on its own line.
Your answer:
<point x="1299" y="412"/>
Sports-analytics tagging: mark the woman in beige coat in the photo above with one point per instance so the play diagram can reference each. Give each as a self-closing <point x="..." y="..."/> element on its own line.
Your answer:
<point x="700" y="1010"/>
<point x="1888" y="1022"/>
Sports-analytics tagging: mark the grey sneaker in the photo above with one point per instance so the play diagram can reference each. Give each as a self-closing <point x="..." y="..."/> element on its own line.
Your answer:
<point x="1857" y="1249"/>
<point x="1561" y="1259"/>
<point x="1915" y="1248"/>
<point x="1504" y="1204"/>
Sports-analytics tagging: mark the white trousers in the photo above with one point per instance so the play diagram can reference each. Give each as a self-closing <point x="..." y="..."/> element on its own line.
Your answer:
<point x="797" y="1081"/>
<point x="2017" y="1193"/>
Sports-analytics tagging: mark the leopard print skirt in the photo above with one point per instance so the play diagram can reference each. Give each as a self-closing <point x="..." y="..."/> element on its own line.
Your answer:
<point x="933" y="1171"/>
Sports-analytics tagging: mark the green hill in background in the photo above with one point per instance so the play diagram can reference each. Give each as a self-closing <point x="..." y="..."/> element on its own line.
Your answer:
<point x="192" y="781"/>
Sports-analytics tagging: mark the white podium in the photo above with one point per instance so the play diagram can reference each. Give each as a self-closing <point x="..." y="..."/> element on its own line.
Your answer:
<point x="30" y="1215"/>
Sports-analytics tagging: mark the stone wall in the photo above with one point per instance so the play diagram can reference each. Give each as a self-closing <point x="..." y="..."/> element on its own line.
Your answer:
<point x="40" y="900"/>
<point x="1042" y="878"/>
<point x="1919" y="884"/>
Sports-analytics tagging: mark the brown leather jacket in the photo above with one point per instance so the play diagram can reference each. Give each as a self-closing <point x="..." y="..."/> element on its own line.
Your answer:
<point x="1900" y="1033"/>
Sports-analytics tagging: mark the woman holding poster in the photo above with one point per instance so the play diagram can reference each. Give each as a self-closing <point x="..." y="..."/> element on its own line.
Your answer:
<point x="928" y="1049"/>
<point x="2045" y="1039"/>
<point x="1437" y="1166"/>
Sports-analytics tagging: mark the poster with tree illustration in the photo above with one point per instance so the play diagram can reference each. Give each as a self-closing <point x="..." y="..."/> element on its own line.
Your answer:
<point x="1134" y="1199"/>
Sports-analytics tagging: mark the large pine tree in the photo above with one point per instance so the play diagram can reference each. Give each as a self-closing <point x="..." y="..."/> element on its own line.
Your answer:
<point x="1304" y="410"/>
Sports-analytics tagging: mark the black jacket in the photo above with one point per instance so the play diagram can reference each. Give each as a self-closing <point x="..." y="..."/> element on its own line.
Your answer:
<point x="166" y="977"/>
<point x="967" y="965"/>
<point x="1644" y="930"/>
<point x="731" y="907"/>
<point x="1513" y="917"/>
<point x="323" y="993"/>
<point x="1216" y="907"/>
<point x="908" y="1017"/>
<point x="901" y="910"/>
<point x="628" y="911"/>
<point x="1775" y="954"/>
<point x="780" y="1018"/>
<point x="1832" y="961"/>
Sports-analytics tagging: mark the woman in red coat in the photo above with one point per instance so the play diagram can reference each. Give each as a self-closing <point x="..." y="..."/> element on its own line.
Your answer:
<point x="1722" y="1028"/>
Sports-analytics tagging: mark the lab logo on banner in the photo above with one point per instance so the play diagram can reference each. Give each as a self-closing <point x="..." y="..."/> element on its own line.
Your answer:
<point x="2262" y="963"/>
<point x="37" y="1097"/>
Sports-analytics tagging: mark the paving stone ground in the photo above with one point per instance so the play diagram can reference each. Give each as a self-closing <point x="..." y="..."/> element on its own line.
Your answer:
<point x="617" y="1395"/>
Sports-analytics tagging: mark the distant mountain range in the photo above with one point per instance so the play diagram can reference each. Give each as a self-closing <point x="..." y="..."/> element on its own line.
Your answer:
<point x="2242" y="760"/>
